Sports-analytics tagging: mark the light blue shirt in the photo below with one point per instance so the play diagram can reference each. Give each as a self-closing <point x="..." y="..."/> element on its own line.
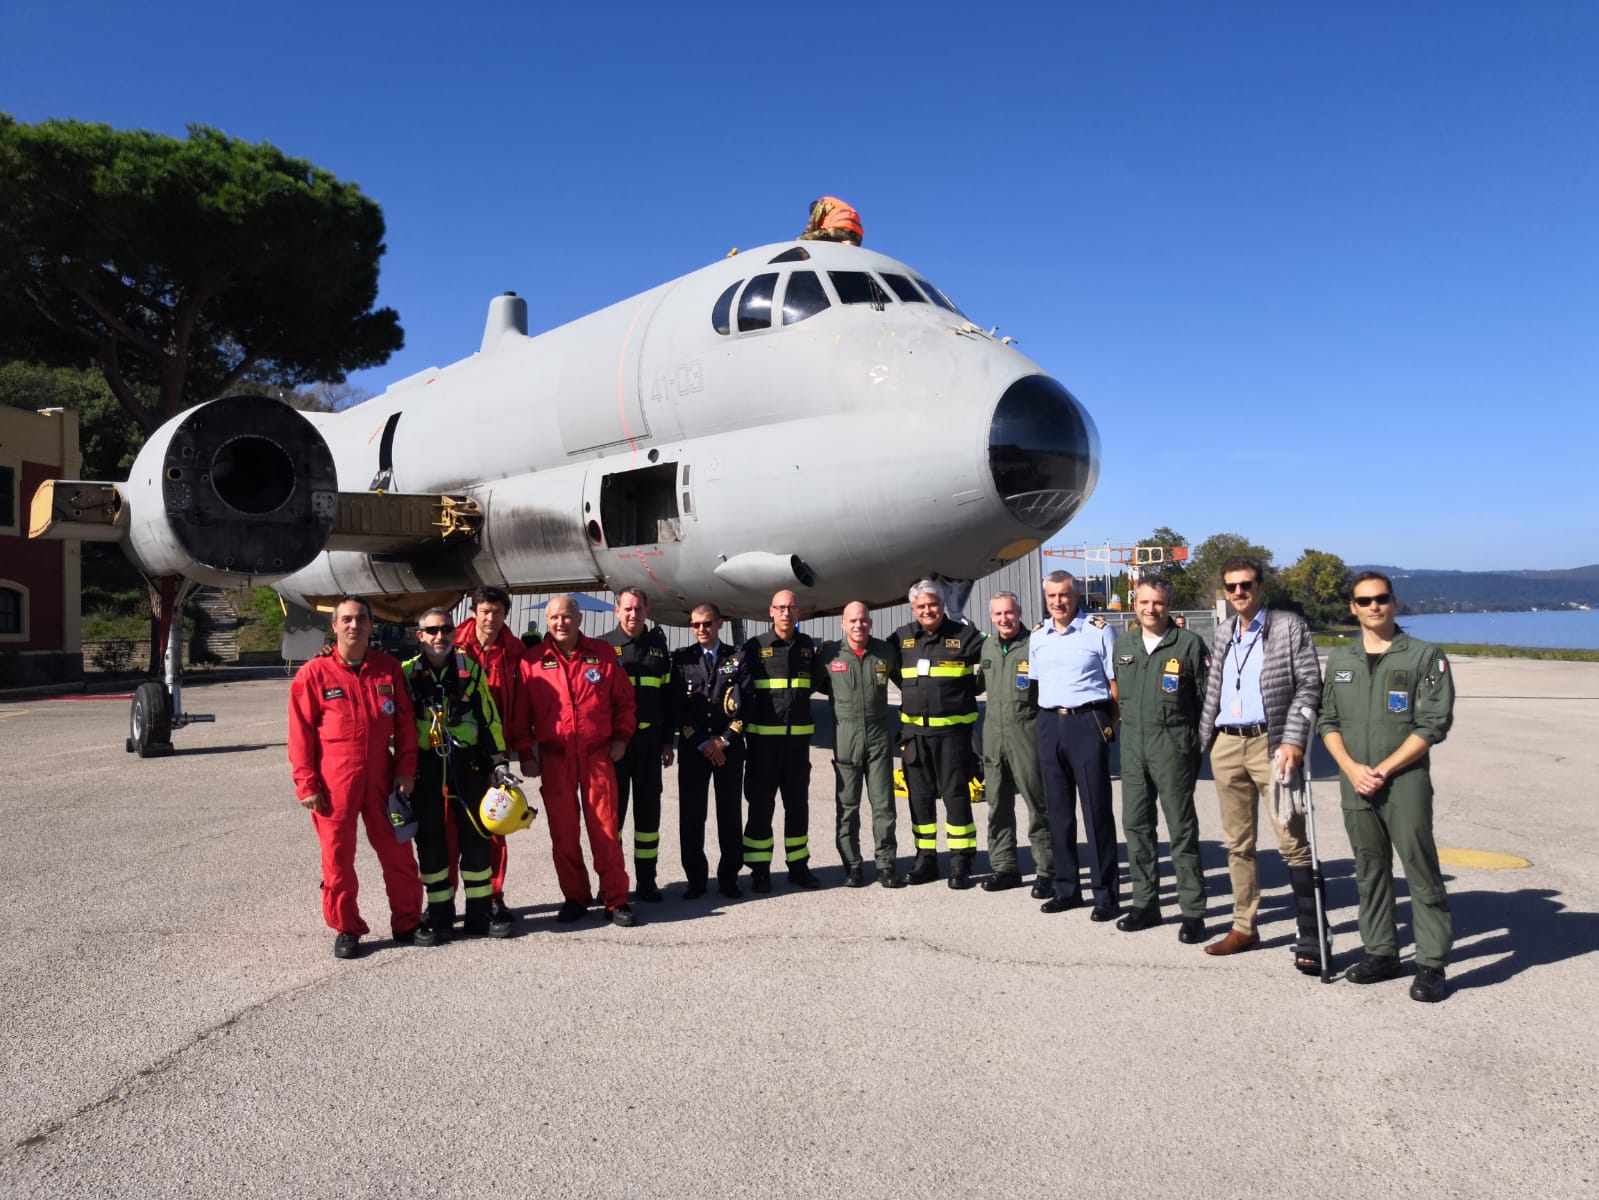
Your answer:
<point x="1072" y="667"/>
<point x="1241" y="701"/>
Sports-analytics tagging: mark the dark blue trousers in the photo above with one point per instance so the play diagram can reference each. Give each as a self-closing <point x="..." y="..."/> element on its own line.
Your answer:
<point x="1075" y="759"/>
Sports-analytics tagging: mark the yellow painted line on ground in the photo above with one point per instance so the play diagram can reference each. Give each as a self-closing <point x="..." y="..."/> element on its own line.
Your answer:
<point x="18" y="713"/>
<point x="1482" y="860"/>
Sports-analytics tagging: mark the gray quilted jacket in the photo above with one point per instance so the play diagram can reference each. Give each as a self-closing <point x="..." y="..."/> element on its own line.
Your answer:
<point x="1290" y="680"/>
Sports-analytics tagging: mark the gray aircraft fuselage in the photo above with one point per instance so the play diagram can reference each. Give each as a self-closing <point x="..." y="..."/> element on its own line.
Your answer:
<point x="805" y="415"/>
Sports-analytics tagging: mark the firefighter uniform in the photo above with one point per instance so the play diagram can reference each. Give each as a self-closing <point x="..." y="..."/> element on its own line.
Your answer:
<point x="856" y="684"/>
<point x="341" y="721"/>
<point x="775" y="697"/>
<point x="1010" y="759"/>
<point x="648" y="664"/>
<point x="708" y="708"/>
<point x="1409" y="690"/>
<point x="502" y="664"/>
<point x="938" y="711"/>
<point x="1161" y="692"/>
<point x="459" y="741"/>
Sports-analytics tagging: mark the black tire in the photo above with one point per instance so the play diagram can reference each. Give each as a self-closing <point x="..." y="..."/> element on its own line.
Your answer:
<point x="150" y="720"/>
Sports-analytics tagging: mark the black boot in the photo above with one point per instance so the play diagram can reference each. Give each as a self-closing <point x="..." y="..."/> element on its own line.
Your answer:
<point x="924" y="869"/>
<point x="1314" y="937"/>
<point x="645" y="889"/>
<point x="440" y="923"/>
<point x="960" y="872"/>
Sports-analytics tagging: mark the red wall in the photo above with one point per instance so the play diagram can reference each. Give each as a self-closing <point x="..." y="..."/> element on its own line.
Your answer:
<point x="37" y="566"/>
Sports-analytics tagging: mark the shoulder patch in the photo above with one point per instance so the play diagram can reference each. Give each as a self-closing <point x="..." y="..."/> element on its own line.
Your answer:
<point x="838" y="666"/>
<point x="907" y="643"/>
<point x="1343" y="677"/>
<point x="1124" y="660"/>
<point x="549" y="664"/>
<point x="766" y="652"/>
<point x="333" y="693"/>
<point x="618" y="650"/>
<point x="1098" y="621"/>
<point x="952" y="643"/>
<point x="589" y="658"/>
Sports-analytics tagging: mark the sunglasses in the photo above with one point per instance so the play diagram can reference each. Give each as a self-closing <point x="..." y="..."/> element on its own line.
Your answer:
<point x="1247" y="585"/>
<point x="1383" y="598"/>
<point x="433" y="630"/>
<point x="702" y="624"/>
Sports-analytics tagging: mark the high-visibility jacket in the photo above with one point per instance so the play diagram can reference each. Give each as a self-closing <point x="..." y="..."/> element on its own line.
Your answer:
<point x="581" y="701"/>
<point x="938" y="677"/>
<point x="648" y="664"/>
<point x="775" y="685"/>
<point x="503" y="664"/>
<point x="454" y="699"/>
<point x="835" y="214"/>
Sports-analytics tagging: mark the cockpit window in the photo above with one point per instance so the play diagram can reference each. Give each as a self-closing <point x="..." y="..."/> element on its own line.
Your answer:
<point x="793" y="254"/>
<point x="857" y="287"/>
<point x="905" y="289"/>
<point x="938" y="297"/>
<point x="803" y="298"/>
<point x="755" y="305"/>
<point x="721" y="315"/>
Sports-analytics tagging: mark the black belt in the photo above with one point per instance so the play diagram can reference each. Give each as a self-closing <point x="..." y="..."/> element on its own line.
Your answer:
<point x="1094" y="706"/>
<point x="1241" y="730"/>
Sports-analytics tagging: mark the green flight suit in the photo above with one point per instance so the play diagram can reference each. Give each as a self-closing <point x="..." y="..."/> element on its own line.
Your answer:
<point x="1010" y="757"/>
<point x="1161" y="692"/>
<point x="1410" y="690"/>
<point x="863" y="742"/>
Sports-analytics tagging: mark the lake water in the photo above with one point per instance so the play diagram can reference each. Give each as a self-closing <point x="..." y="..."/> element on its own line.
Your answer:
<point x="1564" y="629"/>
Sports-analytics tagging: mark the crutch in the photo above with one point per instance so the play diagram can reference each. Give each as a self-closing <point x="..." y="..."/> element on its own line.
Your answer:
<point x="1323" y="933"/>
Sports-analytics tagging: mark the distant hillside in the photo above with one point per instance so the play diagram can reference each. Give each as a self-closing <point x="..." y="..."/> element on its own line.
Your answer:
<point x="1492" y="591"/>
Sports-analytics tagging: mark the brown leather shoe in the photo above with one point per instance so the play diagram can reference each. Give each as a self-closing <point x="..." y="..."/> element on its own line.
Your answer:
<point x="1236" y="942"/>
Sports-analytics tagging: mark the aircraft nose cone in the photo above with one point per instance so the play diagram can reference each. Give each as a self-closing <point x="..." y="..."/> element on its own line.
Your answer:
<point x="1043" y="452"/>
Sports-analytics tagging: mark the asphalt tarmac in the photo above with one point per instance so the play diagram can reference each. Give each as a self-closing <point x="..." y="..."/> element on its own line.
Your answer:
<point x="176" y="1024"/>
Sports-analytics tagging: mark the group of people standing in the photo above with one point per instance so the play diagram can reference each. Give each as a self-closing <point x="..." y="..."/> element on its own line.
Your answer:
<point x="598" y="720"/>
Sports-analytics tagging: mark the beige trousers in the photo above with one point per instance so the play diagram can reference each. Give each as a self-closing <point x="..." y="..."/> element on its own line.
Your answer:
<point x="1242" y="769"/>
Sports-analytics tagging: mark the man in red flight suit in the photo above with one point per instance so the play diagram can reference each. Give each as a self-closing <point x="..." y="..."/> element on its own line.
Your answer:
<point x="484" y="638"/>
<point x="582" y="708"/>
<point x="344" y="706"/>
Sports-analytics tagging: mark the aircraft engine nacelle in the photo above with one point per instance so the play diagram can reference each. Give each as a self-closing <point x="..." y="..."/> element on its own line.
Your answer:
<point x="235" y="492"/>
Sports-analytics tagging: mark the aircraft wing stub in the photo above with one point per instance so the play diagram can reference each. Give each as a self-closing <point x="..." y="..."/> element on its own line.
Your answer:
<point x="391" y="522"/>
<point x="77" y="508"/>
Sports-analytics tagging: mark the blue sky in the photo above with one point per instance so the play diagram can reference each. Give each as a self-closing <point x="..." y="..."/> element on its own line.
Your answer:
<point x="1326" y="275"/>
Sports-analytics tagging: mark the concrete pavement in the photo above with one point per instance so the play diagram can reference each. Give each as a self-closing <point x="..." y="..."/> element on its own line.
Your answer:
<point x="177" y="1026"/>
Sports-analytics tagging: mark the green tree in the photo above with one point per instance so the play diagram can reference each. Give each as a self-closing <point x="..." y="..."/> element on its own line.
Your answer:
<point x="181" y="267"/>
<point x="1204" y="567"/>
<point x="1319" y="586"/>
<point x="1184" y="588"/>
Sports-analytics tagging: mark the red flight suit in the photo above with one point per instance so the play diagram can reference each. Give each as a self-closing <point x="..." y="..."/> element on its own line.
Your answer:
<point x="340" y="721"/>
<point x="580" y="704"/>
<point x="502" y="666"/>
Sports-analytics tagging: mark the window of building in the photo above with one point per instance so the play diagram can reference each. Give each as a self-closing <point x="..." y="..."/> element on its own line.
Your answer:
<point x="857" y="287"/>
<point x="13" y="612"/>
<point x="8" y="498"/>
<point x="755" y="305"/>
<point x="804" y="297"/>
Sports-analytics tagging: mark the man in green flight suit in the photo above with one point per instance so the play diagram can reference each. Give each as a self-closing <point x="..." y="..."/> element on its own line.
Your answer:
<point x="854" y="676"/>
<point x="1160" y="676"/>
<point x="1010" y="753"/>
<point x="1385" y="704"/>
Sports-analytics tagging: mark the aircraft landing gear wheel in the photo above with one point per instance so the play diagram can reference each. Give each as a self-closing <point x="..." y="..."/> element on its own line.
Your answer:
<point x="150" y="721"/>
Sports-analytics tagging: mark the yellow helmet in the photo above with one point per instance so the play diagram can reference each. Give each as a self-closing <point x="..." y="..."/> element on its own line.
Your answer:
<point x="505" y="809"/>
